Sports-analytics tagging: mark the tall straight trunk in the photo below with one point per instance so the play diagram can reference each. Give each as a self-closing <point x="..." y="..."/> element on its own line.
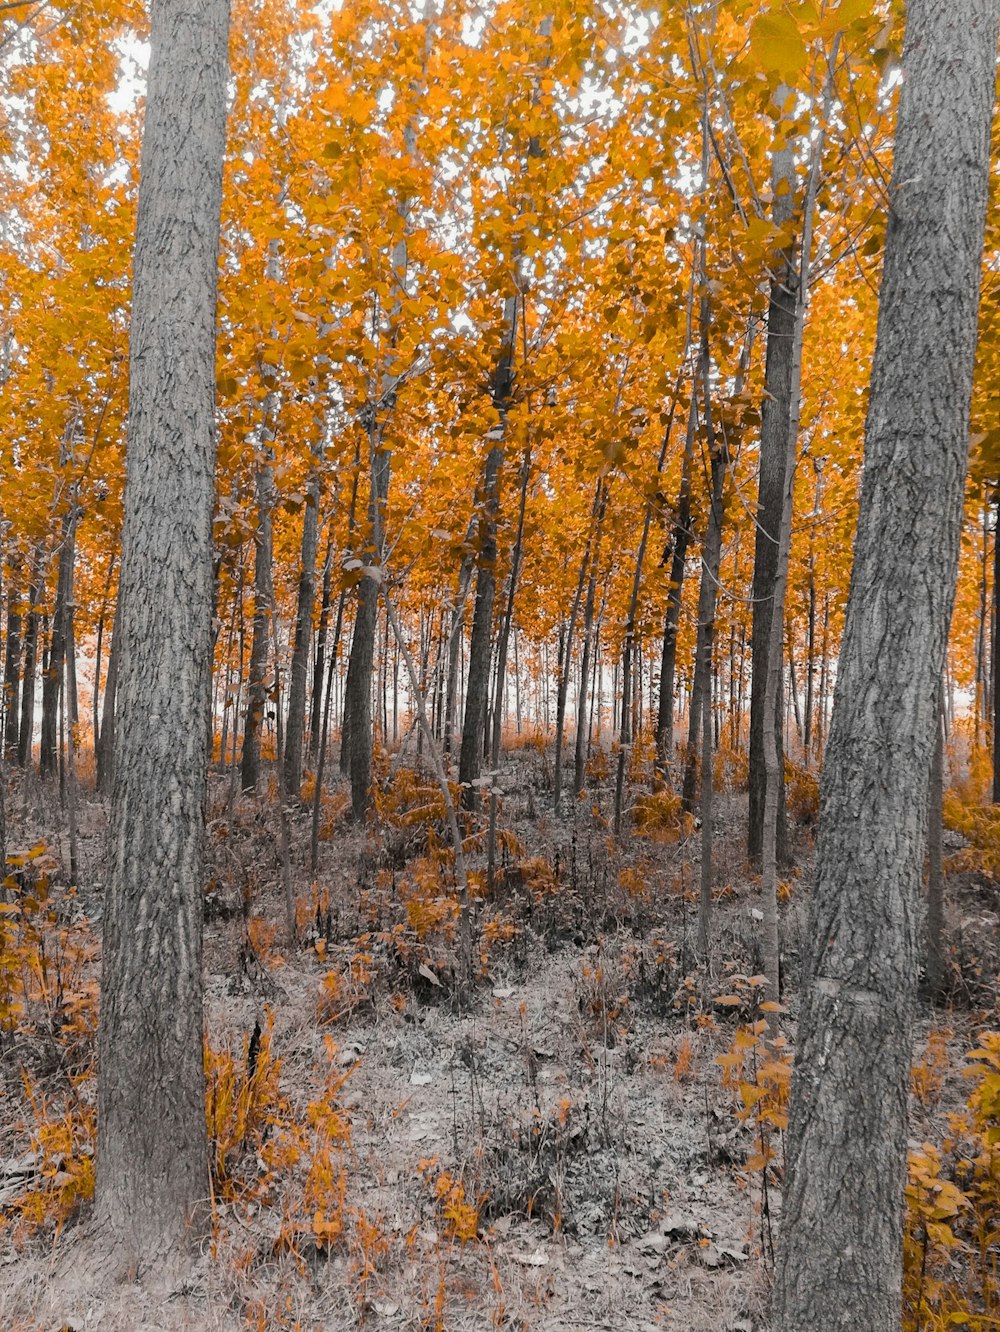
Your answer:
<point x="453" y="689"/>
<point x="295" y="724"/>
<point x="26" y="729"/>
<point x="810" y="667"/>
<point x="52" y="679"/>
<point x="567" y="653"/>
<point x="12" y="673"/>
<point x="840" y="1254"/>
<point x="776" y="410"/>
<point x="257" y="680"/>
<point x="480" y="646"/>
<point x="357" y="739"/>
<point x="774" y="775"/>
<point x="503" y="638"/>
<point x="702" y="686"/>
<point x="711" y="560"/>
<point x="582" y="716"/>
<point x="935" y="961"/>
<point x="676" y="551"/>
<point x="979" y="709"/>
<point x="152" y="1189"/>
<point x="322" y="629"/>
<point x="106" y="742"/>
<point x="95" y="709"/>
<point x="996" y="649"/>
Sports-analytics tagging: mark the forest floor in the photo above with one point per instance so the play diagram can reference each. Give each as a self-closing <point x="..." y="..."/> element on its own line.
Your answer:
<point x="561" y="1150"/>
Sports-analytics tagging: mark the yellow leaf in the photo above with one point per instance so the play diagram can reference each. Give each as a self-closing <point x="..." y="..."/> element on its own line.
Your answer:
<point x="777" y="44"/>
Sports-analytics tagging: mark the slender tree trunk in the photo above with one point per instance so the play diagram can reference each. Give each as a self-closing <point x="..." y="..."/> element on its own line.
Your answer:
<point x="26" y="730"/>
<point x="567" y="653"/>
<point x="480" y="646"/>
<point x="357" y="739"/>
<point x="152" y="1163"/>
<point x="503" y="639"/>
<point x="774" y="775"/>
<point x="676" y="551"/>
<point x="317" y="709"/>
<point x="935" y="960"/>
<point x="840" y="1254"/>
<point x="711" y="559"/>
<point x="582" y="716"/>
<point x="106" y="742"/>
<point x="52" y="680"/>
<point x="996" y="650"/>
<point x="776" y="410"/>
<point x="295" y="725"/>
<point x="12" y="674"/>
<point x="257" y="680"/>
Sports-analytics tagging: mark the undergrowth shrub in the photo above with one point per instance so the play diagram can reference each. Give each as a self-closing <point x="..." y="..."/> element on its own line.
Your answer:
<point x="950" y="1276"/>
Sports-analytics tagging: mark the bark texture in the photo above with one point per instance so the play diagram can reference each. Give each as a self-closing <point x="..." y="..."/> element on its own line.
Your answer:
<point x="152" y="1164"/>
<point x="257" y="683"/>
<point x="776" y="411"/>
<point x="295" y="727"/>
<point x="839" y="1263"/>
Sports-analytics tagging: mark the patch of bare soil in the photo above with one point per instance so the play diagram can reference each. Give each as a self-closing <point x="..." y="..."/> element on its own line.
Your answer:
<point x="556" y="1152"/>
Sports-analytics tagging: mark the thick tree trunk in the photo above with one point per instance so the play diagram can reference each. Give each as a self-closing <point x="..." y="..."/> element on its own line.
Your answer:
<point x="840" y="1255"/>
<point x="295" y="726"/>
<point x="152" y="1194"/>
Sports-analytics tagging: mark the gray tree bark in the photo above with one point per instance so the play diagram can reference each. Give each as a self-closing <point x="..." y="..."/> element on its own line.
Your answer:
<point x="776" y="412"/>
<point x="12" y="672"/>
<point x="105" y="746"/>
<point x="295" y="727"/>
<point x="152" y="1164"/>
<point x="839" y="1262"/>
<point x="470" y="759"/>
<point x="26" y="729"/>
<point x="257" y="681"/>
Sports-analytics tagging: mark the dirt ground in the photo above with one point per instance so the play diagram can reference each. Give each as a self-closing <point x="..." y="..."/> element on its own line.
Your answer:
<point x="556" y="1151"/>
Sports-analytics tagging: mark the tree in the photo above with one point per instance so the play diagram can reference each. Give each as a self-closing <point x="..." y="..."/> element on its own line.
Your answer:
<point x="152" y="1167"/>
<point x="841" y="1242"/>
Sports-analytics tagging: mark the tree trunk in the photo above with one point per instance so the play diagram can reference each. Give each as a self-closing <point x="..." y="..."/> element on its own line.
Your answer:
<point x="12" y="674"/>
<point x="480" y="647"/>
<point x="52" y="680"/>
<point x="840" y="1255"/>
<point x="356" y="739"/>
<point x="295" y="725"/>
<point x="776" y="410"/>
<point x="676" y="551"/>
<point x="567" y="652"/>
<point x="316" y="713"/>
<point x="935" y="961"/>
<point x="105" y="748"/>
<point x="582" y="714"/>
<point x="257" y="681"/>
<point x="996" y="651"/>
<point x="26" y="730"/>
<point x="152" y="1164"/>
